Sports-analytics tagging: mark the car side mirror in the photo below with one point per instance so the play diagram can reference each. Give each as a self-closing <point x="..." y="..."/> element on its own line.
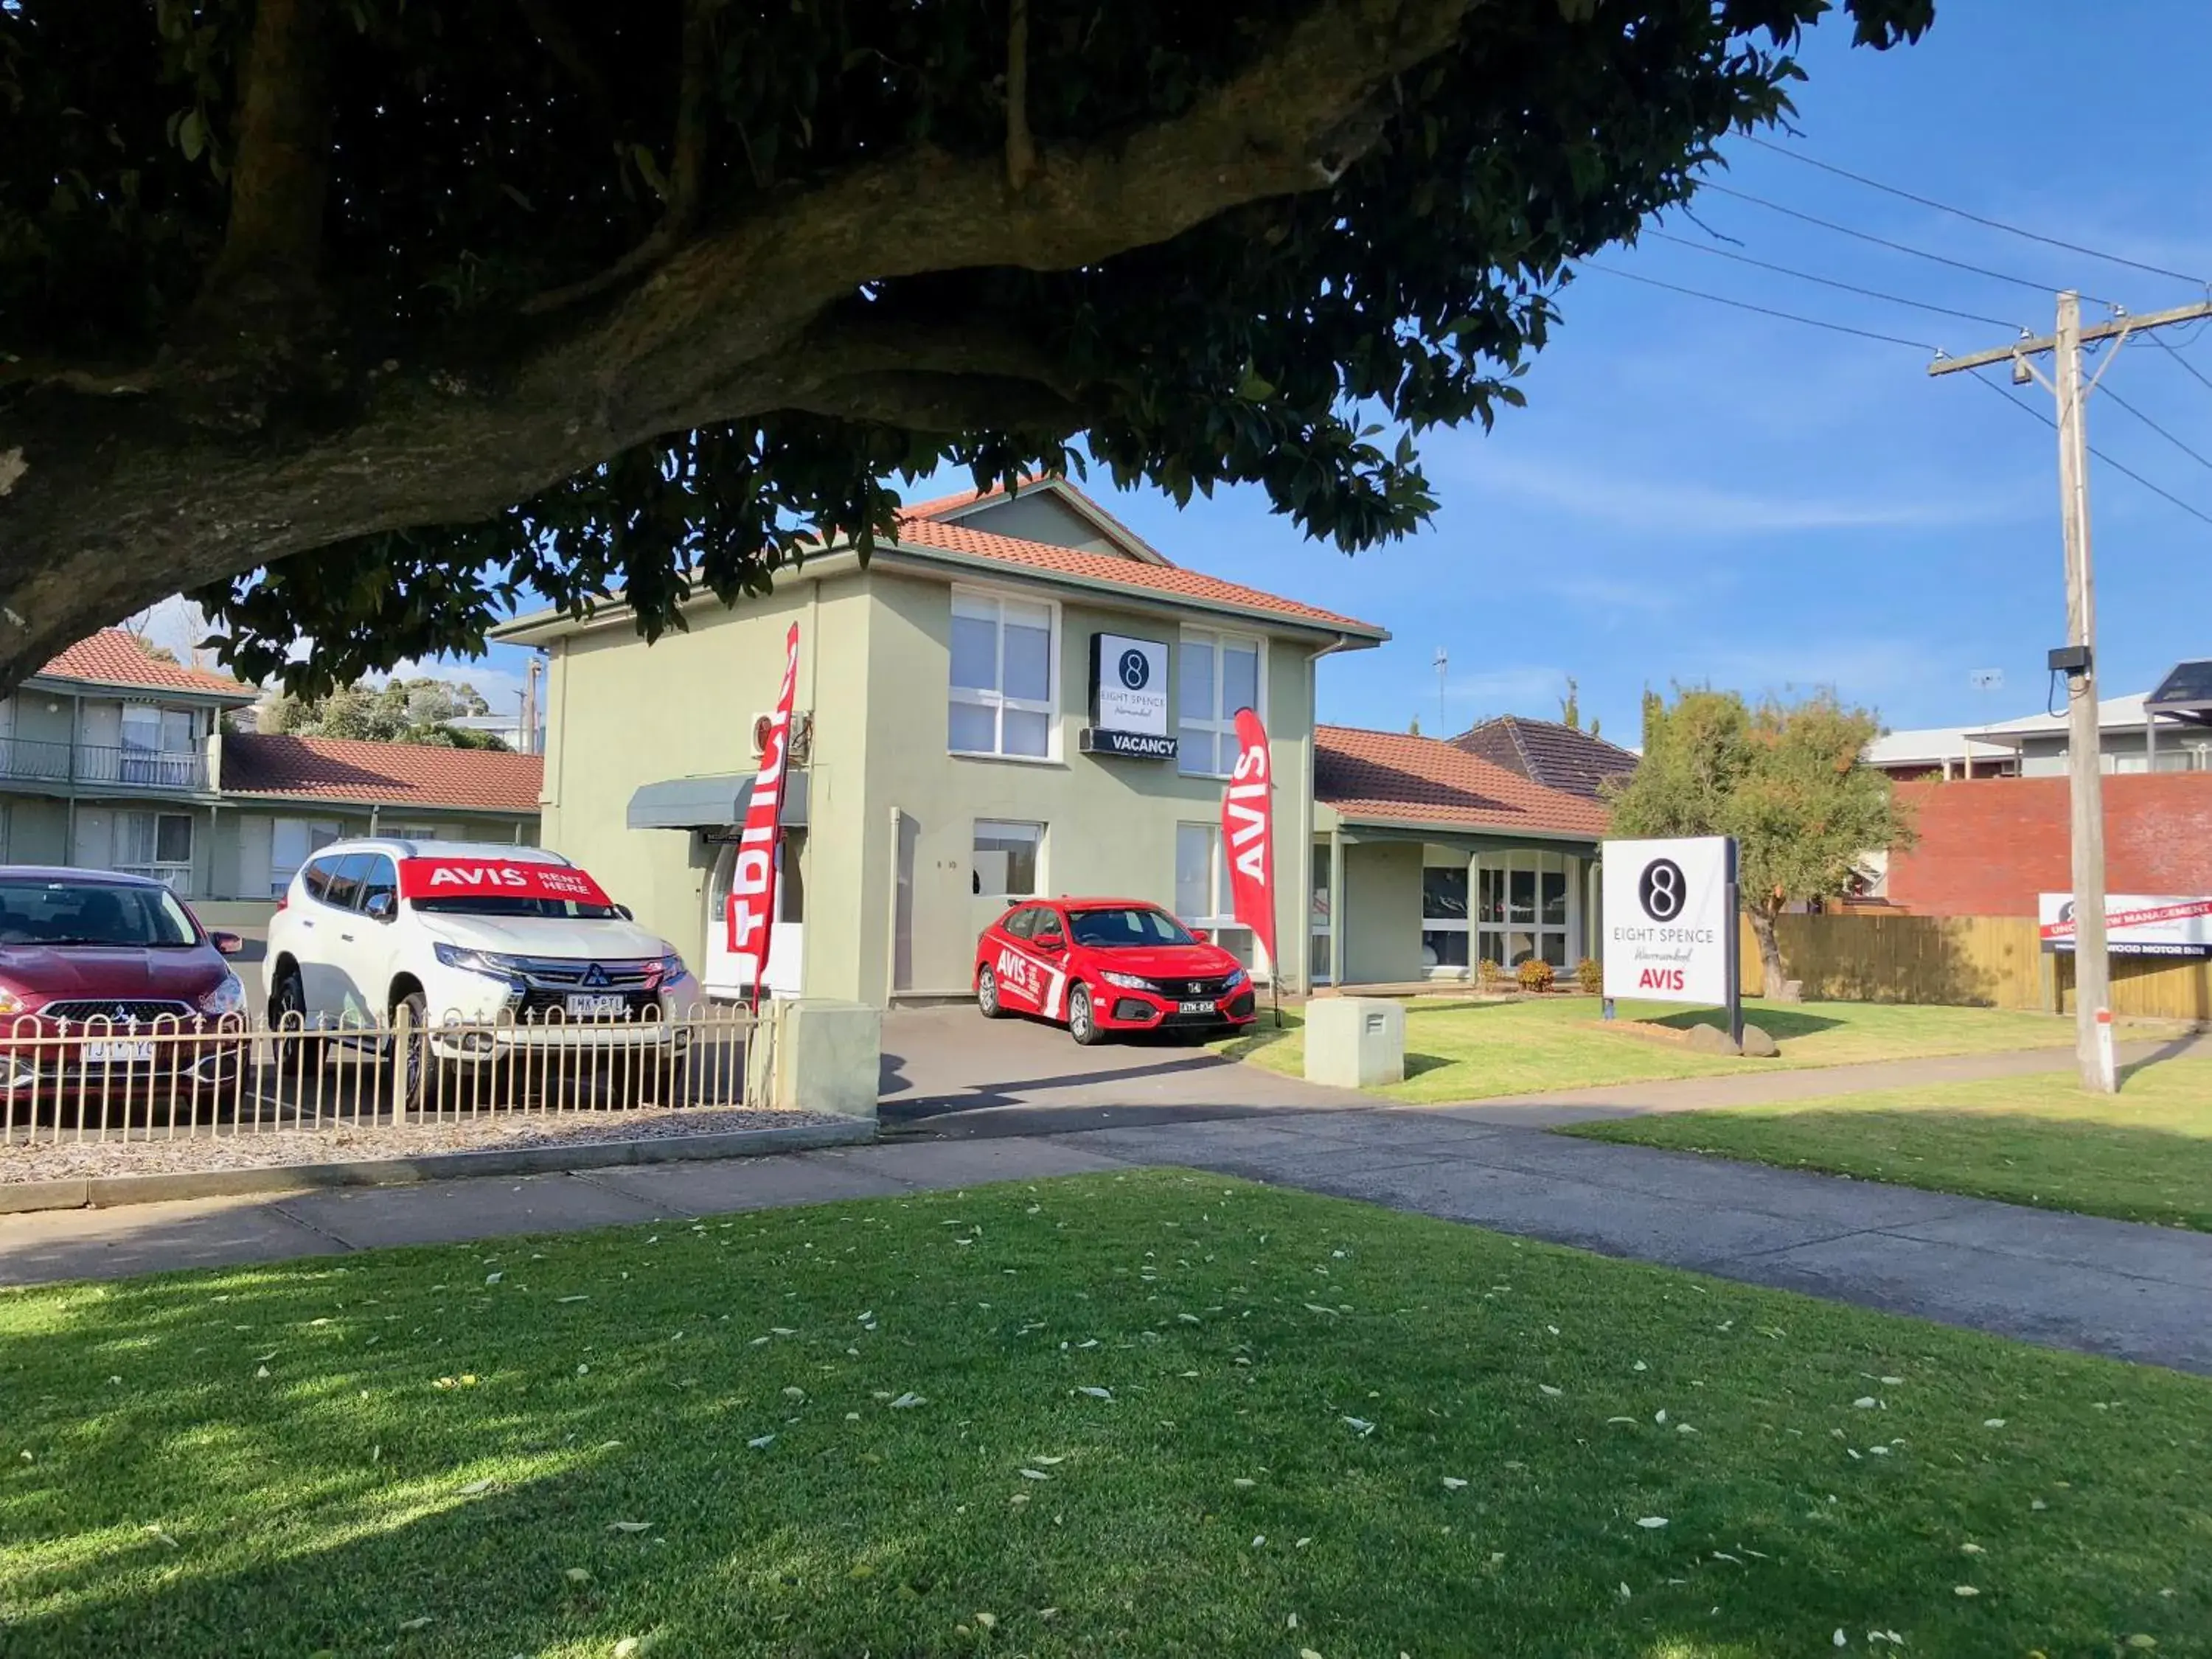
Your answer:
<point x="1052" y="942"/>
<point x="625" y="913"/>
<point x="380" y="907"/>
<point x="228" y="944"/>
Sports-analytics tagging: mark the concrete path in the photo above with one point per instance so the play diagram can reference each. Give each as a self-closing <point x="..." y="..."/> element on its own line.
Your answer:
<point x="2136" y="1293"/>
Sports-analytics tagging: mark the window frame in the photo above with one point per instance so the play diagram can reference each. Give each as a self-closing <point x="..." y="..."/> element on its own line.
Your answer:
<point x="995" y="699"/>
<point x="1223" y="721"/>
<point x="975" y="828"/>
<point x="167" y="872"/>
<point x="1222" y="918"/>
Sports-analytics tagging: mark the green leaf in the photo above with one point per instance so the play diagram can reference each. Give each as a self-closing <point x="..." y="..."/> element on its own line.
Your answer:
<point x="192" y="135"/>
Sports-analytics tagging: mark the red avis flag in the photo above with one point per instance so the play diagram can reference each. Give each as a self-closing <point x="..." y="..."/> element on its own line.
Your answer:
<point x="1248" y="833"/>
<point x="752" y="883"/>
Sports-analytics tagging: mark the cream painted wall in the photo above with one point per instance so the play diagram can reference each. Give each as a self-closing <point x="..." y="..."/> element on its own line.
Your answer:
<point x="38" y="831"/>
<point x="1381" y="913"/>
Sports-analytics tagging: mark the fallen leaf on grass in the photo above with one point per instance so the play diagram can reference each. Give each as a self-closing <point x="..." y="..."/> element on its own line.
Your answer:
<point x="1629" y="1420"/>
<point x="1971" y="1549"/>
<point x="1840" y="1639"/>
<point x="1095" y="1393"/>
<point x="1548" y="1388"/>
<point x="1316" y="1307"/>
<point x="987" y="1620"/>
<point x="762" y="1442"/>
<point x="578" y="1575"/>
<point x="1034" y="1474"/>
<point x="572" y="1298"/>
<point x="1964" y="1589"/>
<point x="629" y="1526"/>
<point x="1993" y="1422"/>
<point x="1865" y="1402"/>
<point x="475" y="1487"/>
<point x="1243" y="1480"/>
<point x="422" y="1623"/>
<point x="1652" y="1522"/>
<point x="906" y="1402"/>
<point x="1453" y="1483"/>
<point x="1359" y="1425"/>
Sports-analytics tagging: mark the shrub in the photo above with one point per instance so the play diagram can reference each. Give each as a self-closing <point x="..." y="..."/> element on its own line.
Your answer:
<point x="1534" y="975"/>
<point x="1589" y="975"/>
<point x="1489" y="976"/>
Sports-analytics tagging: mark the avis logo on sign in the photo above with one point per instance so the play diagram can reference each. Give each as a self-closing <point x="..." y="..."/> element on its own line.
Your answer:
<point x="1017" y="971"/>
<point x="1661" y="979"/>
<point x="488" y="875"/>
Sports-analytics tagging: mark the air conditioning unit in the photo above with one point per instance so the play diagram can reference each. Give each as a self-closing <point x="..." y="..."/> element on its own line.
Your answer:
<point x="802" y="736"/>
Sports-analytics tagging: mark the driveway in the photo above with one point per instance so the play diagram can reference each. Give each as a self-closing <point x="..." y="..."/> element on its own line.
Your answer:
<point x="949" y="1072"/>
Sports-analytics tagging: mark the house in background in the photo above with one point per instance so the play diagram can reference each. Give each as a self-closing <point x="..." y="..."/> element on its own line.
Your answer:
<point x="1548" y="752"/>
<point x="2168" y="729"/>
<point x="1443" y="859"/>
<point x="110" y="759"/>
<point x="113" y="758"/>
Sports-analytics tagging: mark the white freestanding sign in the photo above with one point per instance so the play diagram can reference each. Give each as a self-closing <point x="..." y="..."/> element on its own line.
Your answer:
<point x="1670" y="920"/>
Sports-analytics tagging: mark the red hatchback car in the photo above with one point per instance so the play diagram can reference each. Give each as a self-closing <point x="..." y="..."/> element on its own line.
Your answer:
<point x="108" y="983"/>
<point x="1098" y="965"/>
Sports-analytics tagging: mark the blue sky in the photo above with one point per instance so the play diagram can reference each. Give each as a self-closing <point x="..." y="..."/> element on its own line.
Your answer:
<point x="1700" y="493"/>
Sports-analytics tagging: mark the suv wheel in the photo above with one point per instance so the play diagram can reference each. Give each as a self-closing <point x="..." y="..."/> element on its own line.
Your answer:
<point x="288" y="1005"/>
<point x="417" y="1068"/>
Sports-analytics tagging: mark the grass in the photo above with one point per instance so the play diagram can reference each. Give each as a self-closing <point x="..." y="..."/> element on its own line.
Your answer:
<point x="693" y="1435"/>
<point x="2143" y="1155"/>
<point x="1460" y="1050"/>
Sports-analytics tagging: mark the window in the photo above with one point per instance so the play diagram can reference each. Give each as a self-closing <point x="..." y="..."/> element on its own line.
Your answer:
<point x="158" y="745"/>
<point x="346" y="876"/>
<point x="1023" y="921"/>
<point x="1000" y="697"/>
<point x="77" y="912"/>
<point x="1443" y="920"/>
<point x="318" y="879"/>
<point x="1128" y="927"/>
<point x="1319" y="922"/>
<point x="1203" y="898"/>
<point x="1522" y="909"/>
<point x="1004" y="864"/>
<point x="1217" y="675"/>
<point x="156" y="844"/>
<point x="383" y="877"/>
<point x="292" y="842"/>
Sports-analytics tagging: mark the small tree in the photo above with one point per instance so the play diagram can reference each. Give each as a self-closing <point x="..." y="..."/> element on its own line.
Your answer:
<point x="1784" y="779"/>
<point x="418" y="711"/>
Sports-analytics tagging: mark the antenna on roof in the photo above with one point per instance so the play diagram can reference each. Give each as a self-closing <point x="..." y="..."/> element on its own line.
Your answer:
<point x="1444" y="661"/>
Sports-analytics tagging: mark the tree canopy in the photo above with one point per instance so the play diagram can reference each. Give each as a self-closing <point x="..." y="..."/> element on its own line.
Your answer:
<point x="1784" y="779"/>
<point x="359" y="319"/>
<point x="420" y="710"/>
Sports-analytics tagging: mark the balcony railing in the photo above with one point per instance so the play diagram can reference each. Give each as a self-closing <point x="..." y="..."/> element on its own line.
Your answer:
<point x="29" y="760"/>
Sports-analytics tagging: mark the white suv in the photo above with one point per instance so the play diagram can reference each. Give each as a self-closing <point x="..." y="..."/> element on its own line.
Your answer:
<point x="514" y="937"/>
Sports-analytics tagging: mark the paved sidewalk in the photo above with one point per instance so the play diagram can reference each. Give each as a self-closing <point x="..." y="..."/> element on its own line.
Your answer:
<point x="2109" y="1287"/>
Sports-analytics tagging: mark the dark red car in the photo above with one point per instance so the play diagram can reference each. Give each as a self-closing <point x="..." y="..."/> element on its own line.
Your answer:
<point x="109" y="984"/>
<point x="1098" y="965"/>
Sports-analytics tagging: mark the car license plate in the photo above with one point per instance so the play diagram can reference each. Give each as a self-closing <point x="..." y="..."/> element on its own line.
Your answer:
<point x="597" y="1007"/>
<point x="1195" y="1008"/>
<point x="117" y="1053"/>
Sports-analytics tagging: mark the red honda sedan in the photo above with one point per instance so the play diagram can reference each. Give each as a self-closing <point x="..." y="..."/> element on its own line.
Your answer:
<point x="1103" y="964"/>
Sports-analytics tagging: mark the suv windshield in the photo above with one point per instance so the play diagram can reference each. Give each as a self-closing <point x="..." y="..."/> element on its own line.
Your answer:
<point x="87" y="913"/>
<point x="501" y="904"/>
<point x="1128" y="925"/>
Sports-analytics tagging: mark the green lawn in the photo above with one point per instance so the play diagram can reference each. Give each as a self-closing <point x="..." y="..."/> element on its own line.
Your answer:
<point x="1474" y="1050"/>
<point x="1143" y="1414"/>
<point x="2143" y="1155"/>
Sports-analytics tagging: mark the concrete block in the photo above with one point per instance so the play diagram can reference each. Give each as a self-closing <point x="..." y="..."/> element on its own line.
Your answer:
<point x="828" y="1057"/>
<point x="1355" y="1042"/>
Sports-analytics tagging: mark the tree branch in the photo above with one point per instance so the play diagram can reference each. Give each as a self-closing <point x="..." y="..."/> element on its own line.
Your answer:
<point x="687" y="163"/>
<point x="279" y="173"/>
<point x="1021" y="150"/>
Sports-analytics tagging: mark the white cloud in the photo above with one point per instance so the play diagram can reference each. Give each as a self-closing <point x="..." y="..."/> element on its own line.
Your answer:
<point x="1606" y="494"/>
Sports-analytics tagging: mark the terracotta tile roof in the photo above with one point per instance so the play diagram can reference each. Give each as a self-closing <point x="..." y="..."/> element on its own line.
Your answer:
<point x="114" y="657"/>
<point x="1395" y="776"/>
<point x="1109" y="568"/>
<point x="1548" y="752"/>
<point x="389" y="774"/>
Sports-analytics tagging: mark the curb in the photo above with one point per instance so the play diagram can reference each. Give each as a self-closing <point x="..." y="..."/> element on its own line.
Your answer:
<point x="103" y="1192"/>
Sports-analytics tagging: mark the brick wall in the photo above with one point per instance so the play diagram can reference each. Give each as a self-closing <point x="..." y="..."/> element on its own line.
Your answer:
<point x="1988" y="846"/>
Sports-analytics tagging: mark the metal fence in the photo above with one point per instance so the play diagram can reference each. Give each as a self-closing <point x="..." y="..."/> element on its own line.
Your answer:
<point x="101" y="1077"/>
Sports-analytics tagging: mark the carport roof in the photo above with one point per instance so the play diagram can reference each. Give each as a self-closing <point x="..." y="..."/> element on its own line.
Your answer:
<point x="1394" y="777"/>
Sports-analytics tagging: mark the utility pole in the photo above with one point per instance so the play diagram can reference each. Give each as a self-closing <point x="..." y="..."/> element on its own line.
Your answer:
<point x="2093" y="968"/>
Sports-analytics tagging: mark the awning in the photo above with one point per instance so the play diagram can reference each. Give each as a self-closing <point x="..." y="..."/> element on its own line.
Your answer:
<point x="716" y="801"/>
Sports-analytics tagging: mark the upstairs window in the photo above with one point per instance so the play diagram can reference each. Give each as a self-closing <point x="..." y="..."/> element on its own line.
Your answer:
<point x="1219" y="674"/>
<point x="1000" y="697"/>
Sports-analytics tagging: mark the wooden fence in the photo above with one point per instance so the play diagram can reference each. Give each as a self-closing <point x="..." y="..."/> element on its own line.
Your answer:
<point x="1988" y="961"/>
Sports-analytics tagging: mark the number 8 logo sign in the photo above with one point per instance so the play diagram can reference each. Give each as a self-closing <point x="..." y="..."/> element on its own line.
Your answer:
<point x="1661" y="889"/>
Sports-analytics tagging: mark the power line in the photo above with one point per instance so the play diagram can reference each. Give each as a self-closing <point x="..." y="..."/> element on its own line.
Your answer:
<point x="1993" y="224"/>
<point x="1763" y="311"/>
<point x="2155" y="427"/>
<point x="2033" y="413"/>
<point x="1830" y="282"/>
<point x="1883" y="241"/>
<point x="2174" y="352"/>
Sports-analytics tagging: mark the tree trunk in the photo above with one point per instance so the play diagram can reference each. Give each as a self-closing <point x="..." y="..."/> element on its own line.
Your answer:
<point x="1778" y="988"/>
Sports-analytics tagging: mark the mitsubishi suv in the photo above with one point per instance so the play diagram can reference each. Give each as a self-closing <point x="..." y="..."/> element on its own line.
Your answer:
<point x="485" y="947"/>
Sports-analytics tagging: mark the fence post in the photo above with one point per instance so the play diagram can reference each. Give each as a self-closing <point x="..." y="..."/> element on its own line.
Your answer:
<point x="403" y="1042"/>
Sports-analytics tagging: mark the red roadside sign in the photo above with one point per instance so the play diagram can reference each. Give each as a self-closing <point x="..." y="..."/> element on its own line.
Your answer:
<point x="1248" y="833"/>
<point x="752" y="883"/>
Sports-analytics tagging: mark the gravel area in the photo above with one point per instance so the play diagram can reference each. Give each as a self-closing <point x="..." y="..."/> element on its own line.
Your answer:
<point x="155" y="1154"/>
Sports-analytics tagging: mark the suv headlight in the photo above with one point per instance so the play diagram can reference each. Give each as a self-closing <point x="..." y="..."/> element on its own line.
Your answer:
<point x="672" y="969"/>
<point x="1128" y="982"/>
<point x="227" y="997"/>
<point x="488" y="962"/>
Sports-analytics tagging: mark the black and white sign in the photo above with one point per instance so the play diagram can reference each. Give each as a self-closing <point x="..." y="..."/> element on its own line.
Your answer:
<point x="1670" y="920"/>
<point x="1130" y="745"/>
<point x="1129" y="684"/>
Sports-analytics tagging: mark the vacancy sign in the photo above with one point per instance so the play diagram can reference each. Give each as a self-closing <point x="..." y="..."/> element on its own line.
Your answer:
<point x="1670" y="919"/>
<point x="2135" y="925"/>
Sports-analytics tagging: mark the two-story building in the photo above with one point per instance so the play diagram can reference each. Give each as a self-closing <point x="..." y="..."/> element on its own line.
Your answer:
<point x="114" y="757"/>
